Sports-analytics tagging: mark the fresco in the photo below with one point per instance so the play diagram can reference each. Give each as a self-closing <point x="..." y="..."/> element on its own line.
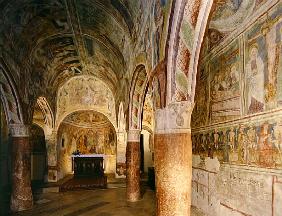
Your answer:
<point x="121" y="143"/>
<point x="89" y="133"/>
<point x="200" y="111"/>
<point x="225" y="85"/>
<point x="226" y="18"/>
<point x="148" y="114"/>
<point x="10" y="101"/>
<point x="263" y="63"/>
<point x="180" y="79"/>
<point x="231" y="13"/>
<point x="245" y="74"/>
<point x="82" y="93"/>
<point x="258" y="144"/>
<point x="244" y="79"/>
<point x="139" y="86"/>
<point x="48" y="42"/>
<point x="86" y="133"/>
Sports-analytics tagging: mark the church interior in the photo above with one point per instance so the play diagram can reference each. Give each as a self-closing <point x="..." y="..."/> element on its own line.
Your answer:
<point x="141" y="107"/>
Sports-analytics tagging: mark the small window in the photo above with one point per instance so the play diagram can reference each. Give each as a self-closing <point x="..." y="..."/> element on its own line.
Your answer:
<point x="63" y="143"/>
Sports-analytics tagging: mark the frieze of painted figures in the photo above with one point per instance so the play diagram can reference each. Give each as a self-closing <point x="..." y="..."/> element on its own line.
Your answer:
<point x="257" y="144"/>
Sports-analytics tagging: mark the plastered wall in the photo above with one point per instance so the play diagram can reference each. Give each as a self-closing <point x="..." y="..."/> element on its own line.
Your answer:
<point x="237" y="121"/>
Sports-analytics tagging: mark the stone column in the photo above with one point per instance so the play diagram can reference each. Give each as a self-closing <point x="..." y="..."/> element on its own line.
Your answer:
<point x="133" y="166"/>
<point x="21" y="197"/>
<point x="173" y="160"/>
<point x="51" y="144"/>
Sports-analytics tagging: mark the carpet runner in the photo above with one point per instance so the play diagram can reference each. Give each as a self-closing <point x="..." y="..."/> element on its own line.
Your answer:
<point x="84" y="183"/>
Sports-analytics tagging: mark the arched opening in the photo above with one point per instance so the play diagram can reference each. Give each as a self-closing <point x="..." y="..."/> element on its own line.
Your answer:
<point x="137" y="96"/>
<point x="86" y="134"/>
<point x="147" y="133"/>
<point x="38" y="156"/>
<point x="121" y="143"/>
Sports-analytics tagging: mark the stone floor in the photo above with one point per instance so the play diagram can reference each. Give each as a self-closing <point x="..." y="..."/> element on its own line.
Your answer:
<point x="107" y="202"/>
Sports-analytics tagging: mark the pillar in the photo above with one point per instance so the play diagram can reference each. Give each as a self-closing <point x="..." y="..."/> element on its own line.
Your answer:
<point x="51" y="144"/>
<point x="173" y="160"/>
<point x="21" y="196"/>
<point x="133" y="156"/>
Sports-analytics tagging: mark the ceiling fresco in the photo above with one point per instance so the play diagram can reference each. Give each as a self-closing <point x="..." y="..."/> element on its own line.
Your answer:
<point x="83" y="93"/>
<point x="227" y="16"/>
<point x="87" y="119"/>
<point x="46" y="42"/>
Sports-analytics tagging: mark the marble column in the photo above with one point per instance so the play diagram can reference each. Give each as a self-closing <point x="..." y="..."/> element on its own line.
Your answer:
<point x="133" y="156"/>
<point x="21" y="196"/>
<point x="51" y="144"/>
<point x="173" y="160"/>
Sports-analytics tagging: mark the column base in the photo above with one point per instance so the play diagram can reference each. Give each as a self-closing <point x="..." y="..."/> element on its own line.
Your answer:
<point x="22" y="201"/>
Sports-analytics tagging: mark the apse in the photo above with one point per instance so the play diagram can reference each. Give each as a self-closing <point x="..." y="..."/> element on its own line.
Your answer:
<point x="86" y="133"/>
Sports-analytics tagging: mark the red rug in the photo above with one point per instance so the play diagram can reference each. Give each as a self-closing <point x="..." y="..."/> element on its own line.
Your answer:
<point x="84" y="183"/>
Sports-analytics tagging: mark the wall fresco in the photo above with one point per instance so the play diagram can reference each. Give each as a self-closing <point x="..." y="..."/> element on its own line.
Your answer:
<point x="244" y="75"/>
<point x="89" y="133"/>
<point x="225" y="85"/>
<point x="257" y="144"/>
<point x="263" y="62"/>
<point x="237" y="158"/>
<point x="200" y="111"/>
<point x="84" y="93"/>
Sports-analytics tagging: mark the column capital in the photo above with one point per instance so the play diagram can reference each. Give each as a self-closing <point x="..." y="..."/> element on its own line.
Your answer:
<point x="51" y="135"/>
<point x="174" y="118"/>
<point x="19" y="130"/>
<point x="133" y="135"/>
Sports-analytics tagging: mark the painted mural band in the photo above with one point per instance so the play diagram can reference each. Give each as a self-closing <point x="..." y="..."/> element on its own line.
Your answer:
<point x="258" y="144"/>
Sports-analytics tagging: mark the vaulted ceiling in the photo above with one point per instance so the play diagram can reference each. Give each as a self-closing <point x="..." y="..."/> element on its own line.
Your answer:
<point x="227" y="16"/>
<point x="46" y="42"/>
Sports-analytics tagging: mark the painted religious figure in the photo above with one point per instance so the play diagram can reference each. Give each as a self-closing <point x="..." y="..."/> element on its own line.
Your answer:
<point x="255" y="80"/>
<point x="225" y="85"/>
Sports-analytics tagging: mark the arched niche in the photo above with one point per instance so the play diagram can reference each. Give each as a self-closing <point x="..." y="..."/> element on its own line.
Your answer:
<point x="90" y="132"/>
<point x="85" y="93"/>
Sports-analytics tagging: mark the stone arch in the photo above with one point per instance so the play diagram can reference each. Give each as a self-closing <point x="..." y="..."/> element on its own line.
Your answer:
<point x="82" y="93"/>
<point x="90" y="110"/>
<point x="47" y="112"/>
<point x="184" y="49"/>
<point x="9" y="97"/>
<point x="137" y="96"/>
<point x="81" y="131"/>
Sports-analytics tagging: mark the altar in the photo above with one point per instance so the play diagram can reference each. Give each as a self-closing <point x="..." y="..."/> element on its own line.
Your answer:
<point x="88" y="165"/>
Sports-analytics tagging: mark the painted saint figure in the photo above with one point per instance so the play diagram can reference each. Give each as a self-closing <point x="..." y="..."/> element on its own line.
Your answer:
<point x="255" y="80"/>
